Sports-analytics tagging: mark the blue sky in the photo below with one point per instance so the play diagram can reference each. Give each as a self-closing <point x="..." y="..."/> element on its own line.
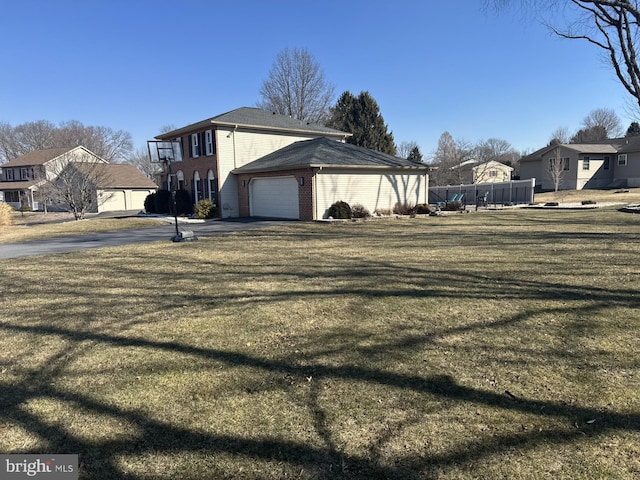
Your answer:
<point x="432" y="66"/>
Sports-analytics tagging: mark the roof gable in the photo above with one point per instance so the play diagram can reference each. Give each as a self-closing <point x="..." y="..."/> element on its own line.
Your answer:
<point x="256" y="118"/>
<point x="324" y="152"/>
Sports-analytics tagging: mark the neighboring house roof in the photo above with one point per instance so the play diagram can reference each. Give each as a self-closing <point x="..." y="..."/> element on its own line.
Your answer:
<point x="19" y="185"/>
<point x="492" y="163"/>
<point x="115" y="175"/>
<point x="249" y="117"/>
<point x="324" y="152"/>
<point x="38" y="157"/>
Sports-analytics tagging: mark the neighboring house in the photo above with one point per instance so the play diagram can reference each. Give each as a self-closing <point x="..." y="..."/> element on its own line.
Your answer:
<point x="302" y="180"/>
<point x="214" y="147"/>
<point x="116" y="186"/>
<point x="492" y="172"/>
<point x="611" y="163"/>
<point x="23" y="181"/>
<point x="20" y="178"/>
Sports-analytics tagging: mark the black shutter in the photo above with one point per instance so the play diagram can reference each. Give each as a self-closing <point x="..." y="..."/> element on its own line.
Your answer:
<point x="203" y="143"/>
<point x="190" y="146"/>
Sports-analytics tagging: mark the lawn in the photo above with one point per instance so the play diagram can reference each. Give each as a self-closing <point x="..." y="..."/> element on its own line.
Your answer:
<point x="38" y="226"/>
<point x="487" y="345"/>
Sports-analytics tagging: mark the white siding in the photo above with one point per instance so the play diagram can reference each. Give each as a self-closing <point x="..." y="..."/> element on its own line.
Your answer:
<point x="113" y="200"/>
<point x="373" y="190"/>
<point x="237" y="148"/>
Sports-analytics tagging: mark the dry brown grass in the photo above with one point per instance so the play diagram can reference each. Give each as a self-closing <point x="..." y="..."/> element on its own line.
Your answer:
<point x="492" y="345"/>
<point x="5" y="215"/>
<point x="625" y="196"/>
<point x="27" y="228"/>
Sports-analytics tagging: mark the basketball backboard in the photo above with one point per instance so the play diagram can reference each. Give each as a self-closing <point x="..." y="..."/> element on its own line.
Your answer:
<point x="163" y="151"/>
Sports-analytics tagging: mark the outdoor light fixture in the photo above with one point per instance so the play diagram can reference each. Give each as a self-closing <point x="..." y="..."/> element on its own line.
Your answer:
<point x="301" y="181"/>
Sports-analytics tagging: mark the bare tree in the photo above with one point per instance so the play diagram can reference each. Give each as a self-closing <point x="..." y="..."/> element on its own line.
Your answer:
<point x="404" y="149"/>
<point x="610" y="25"/>
<point x="112" y="145"/>
<point x="72" y="183"/>
<point x="605" y="118"/>
<point x="140" y="159"/>
<point x="559" y="136"/>
<point x="450" y="161"/>
<point x="296" y="86"/>
<point x="557" y="168"/>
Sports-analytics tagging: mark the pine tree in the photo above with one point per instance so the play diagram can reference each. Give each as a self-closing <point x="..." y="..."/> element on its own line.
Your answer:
<point x="633" y="130"/>
<point x="361" y="117"/>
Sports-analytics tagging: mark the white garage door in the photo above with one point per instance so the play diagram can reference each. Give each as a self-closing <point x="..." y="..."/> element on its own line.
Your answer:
<point x="274" y="197"/>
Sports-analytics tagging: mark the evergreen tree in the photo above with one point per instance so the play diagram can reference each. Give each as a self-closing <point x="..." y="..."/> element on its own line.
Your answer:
<point x="633" y="130"/>
<point x="361" y="117"/>
<point x="415" y="155"/>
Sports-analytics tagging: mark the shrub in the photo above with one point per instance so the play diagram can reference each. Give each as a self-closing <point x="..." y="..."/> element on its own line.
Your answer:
<point x="5" y="214"/>
<point x="204" y="209"/>
<point x="340" y="210"/>
<point x="383" y="212"/>
<point x="163" y="203"/>
<point x="403" y="208"/>
<point x="422" y="209"/>
<point x="25" y="208"/>
<point x="184" y="204"/>
<point x="150" y="203"/>
<point x="452" y="206"/>
<point x="359" y="211"/>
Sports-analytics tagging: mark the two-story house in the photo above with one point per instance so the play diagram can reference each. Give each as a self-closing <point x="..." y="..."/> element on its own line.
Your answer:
<point x="212" y="148"/>
<point x="23" y="181"/>
<point x="252" y="162"/>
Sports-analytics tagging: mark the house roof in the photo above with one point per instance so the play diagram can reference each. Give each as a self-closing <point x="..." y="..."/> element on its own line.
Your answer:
<point x="19" y="185"/>
<point x="324" y="152"/>
<point x="249" y="117"/>
<point x="611" y="146"/>
<point x="115" y="175"/>
<point x="37" y="157"/>
<point x="492" y="163"/>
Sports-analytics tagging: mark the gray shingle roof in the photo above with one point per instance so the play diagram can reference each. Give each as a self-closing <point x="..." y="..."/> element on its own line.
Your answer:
<point x="115" y="175"/>
<point x="255" y="117"/>
<point x="324" y="152"/>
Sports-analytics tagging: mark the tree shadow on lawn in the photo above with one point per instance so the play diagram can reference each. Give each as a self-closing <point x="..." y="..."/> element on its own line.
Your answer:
<point x="101" y="459"/>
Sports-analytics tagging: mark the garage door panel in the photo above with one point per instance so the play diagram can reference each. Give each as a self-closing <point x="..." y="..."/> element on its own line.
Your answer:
<point x="275" y="197"/>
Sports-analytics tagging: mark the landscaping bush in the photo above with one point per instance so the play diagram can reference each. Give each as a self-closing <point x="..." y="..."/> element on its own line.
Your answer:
<point x="163" y="203"/>
<point x="383" y="212"/>
<point x="452" y="206"/>
<point x="422" y="209"/>
<point x="150" y="203"/>
<point x="184" y="203"/>
<point x="403" y="208"/>
<point x="5" y="214"/>
<point x="204" y="209"/>
<point x="359" y="211"/>
<point x="340" y="210"/>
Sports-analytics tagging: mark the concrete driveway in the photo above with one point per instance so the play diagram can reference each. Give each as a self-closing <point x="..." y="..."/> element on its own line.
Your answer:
<point x="127" y="237"/>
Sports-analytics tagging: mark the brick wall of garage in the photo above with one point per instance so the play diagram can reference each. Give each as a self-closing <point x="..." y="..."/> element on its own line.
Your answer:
<point x="305" y="191"/>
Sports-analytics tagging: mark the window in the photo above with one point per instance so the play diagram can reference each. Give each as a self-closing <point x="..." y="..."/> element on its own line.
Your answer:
<point x="9" y="174"/>
<point x="24" y="173"/>
<point x="622" y="159"/>
<point x="194" y="146"/>
<point x="585" y="163"/>
<point x="605" y="163"/>
<point x="493" y="173"/>
<point x="210" y="146"/>
<point x="565" y="163"/>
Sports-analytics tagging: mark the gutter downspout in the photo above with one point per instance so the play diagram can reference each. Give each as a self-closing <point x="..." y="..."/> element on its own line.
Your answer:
<point x="315" y="194"/>
<point x="233" y="132"/>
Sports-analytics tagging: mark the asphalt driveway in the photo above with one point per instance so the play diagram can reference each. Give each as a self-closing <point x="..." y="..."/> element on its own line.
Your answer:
<point x="127" y="237"/>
